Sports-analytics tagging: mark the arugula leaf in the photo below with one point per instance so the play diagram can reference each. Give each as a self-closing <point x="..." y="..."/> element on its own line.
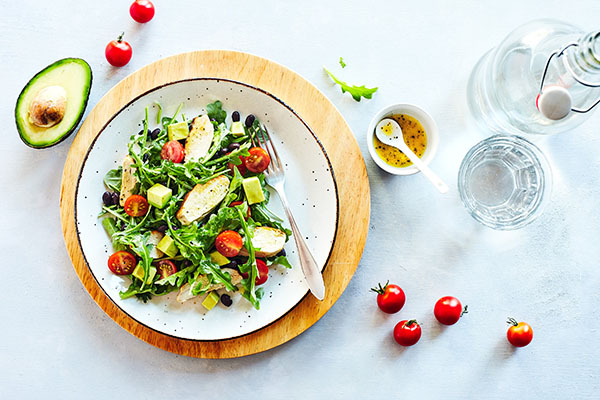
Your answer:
<point x="225" y="219"/>
<point x="216" y="112"/>
<point x="342" y="63"/>
<point x="281" y="260"/>
<point x="356" y="91"/>
<point x="112" y="179"/>
<point x="178" y="278"/>
<point x="264" y="216"/>
<point x="159" y="113"/>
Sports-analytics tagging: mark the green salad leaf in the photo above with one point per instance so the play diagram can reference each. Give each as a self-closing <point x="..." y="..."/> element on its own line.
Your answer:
<point x="357" y="92"/>
<point x="342" y="63"/>
<point x="112" y="179"/>
<point x="216" y="112"/>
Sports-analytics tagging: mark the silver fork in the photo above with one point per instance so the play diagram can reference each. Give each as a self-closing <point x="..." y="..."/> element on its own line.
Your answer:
<point x="275" y="176"/>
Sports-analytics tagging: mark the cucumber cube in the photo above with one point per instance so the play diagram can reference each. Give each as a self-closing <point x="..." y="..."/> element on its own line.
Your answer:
<point x="167" y="246"/>
<point x="211" y="300"/>
<point x="253" y="190"/>
<point x="158" y="195"/>
<point x="219" y="258"/>
<point x="138" y="272"/>
<point x="178" y="131"/>
<point x="237" y="129"/>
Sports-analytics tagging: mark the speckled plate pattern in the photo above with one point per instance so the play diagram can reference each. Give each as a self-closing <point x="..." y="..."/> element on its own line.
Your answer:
<point x="310" y="187"/>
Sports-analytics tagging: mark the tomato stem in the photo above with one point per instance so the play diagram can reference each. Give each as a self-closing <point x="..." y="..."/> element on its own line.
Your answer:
<point x="512" y="321"/>
<point x="380" y="289"/>
<point x="412" y="321"/>
<point x="120" y="38"/>
<point x="464" y="311"/>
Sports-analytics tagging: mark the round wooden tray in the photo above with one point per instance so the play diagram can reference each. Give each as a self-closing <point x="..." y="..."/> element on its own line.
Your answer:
<point x="325" y="121"/>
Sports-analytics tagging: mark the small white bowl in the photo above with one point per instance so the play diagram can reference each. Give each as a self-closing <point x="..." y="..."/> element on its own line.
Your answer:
<point x="420" y="115"/>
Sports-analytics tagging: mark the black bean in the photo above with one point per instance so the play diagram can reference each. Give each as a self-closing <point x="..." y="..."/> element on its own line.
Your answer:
<point x="226" y="300"/>
<point x="186" y="263"/>
<point x="115" y="199"/>
<point x="250" y="120"/>
<point x="232" y="264"/>
<point x="162" y="228"/>
<point x="107" y="198"/>
<point x="223" y="152"/>
<point x="175" y="227"/>
<point x="154" y="134"/>
<point x="122" y="226"/>
<point x="145" y="158"/>
<point x="281" y="253"/>
<point x="140" y="132"/>
<point x="233" y="146"/>
<point x="235" y="116"/>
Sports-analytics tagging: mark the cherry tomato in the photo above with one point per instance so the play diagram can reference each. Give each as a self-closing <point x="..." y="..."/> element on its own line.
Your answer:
<point x="118" y="52"/>
<point x="257" y="161"/>
<point x="390" y="298"/>
<point x="519" y="334"/>
<point x="173" y="150"/>
<point x="136" y="205"/>
<point x="237" y="203"/>
<point x="263" y="273"/>
<point x="407" y="333"/>
<point x="448" y="310"/>
<point x="241" y="167"/>
<point x="142" y="11"/>
<point x="229" y="243"/>
<point x="165" y="268"/>
<point x="122" y="263"/>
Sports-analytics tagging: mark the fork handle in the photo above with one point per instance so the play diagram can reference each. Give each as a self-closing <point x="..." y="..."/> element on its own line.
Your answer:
<point x="307" y="261"/>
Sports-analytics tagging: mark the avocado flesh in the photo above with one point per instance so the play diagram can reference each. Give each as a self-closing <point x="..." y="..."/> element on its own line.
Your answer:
<point x="75" y="77"/>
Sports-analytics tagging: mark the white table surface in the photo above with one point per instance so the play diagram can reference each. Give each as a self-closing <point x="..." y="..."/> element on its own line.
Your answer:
<point x="55" y="342"/>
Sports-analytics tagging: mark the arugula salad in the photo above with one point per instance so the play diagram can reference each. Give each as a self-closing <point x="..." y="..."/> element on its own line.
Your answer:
<point x="187" y="210"/>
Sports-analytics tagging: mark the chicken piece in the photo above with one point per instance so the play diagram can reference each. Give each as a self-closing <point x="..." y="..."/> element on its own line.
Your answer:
<point x="269" y="241"/>
<point x="200" y="138"/>
<point x="128" y="179"/>
<point x="185" y="292"/>
<point x="154" y="238"/>
<point x="202" y="199"/>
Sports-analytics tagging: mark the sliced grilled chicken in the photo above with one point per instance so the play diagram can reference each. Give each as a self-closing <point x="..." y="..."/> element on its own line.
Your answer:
<point x="128" y="179"/>
<point x="201" y="136"/>
<point x="154" y="239"/>
<point x="202" y="199"/>
<point x="185" y="292"/>
<point x="269" y="241"/>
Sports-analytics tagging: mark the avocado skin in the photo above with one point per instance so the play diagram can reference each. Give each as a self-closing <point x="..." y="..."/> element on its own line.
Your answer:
<point x="65" y="135"/>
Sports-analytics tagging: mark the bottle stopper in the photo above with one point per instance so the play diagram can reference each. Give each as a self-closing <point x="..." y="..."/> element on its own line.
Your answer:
<point x="554" y="102"/>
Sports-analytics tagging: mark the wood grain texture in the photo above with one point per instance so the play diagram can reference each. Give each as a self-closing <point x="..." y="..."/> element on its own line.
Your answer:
<point x="325" y="121"/>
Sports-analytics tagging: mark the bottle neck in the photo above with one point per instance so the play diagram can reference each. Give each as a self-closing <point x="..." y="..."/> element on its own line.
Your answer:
<point x="585" y="58"/>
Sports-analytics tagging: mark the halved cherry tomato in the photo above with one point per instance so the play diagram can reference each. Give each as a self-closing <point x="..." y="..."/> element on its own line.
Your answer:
<point x="257" y="161"/>
<point x="229" y="243"/>
<point x="519" y="334"/>
<point x="173" y="150"/>
<point x="263" y="273"/>
<point x="141" y="11"/>
<point x="165" y="268"/>
<point x="237" y="203"/>
<point x="407" y="333"/>
<point x="122" y="263"/>
<point x="241" y="167"/>
<point x="390" y="298"/>
<point x="448" y="310"/>
<point x="136" y="205"/>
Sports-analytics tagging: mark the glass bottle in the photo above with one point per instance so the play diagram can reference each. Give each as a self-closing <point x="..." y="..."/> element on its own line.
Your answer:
<point x="504" y="86"/>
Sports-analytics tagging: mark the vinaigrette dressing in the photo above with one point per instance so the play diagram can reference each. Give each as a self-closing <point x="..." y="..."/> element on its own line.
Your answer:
<point x="414" y="137"/>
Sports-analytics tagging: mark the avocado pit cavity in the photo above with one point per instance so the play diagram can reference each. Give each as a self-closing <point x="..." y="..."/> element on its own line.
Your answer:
<point x="48" y="106"/>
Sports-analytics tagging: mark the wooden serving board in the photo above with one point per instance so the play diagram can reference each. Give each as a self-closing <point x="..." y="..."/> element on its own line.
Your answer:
<point x="325" y="121"/>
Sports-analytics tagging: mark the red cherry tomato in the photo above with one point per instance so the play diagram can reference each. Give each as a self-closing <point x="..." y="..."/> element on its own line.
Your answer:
<point x="263" y="273"/>
<point x="173" y="150"/>
<point x="257" y="161"/>
<point x="136" y="205"/>
<point x="165" y="268"/>
<point x="407" y="333"/>
<point x="241" y="167"/>
<point x="142" y="11"/>
<point x="390" y="298"/>
<point x="448" y="310"/>
<point x="237" y="203"/>
<point x="229" y="243"/>
<point x="122" y="263"/>
<point x="519" y="334"/>
<point x="118" y="52"/>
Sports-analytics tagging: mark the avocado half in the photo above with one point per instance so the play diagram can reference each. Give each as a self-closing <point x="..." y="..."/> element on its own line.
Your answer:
<point x="74" y="75"/>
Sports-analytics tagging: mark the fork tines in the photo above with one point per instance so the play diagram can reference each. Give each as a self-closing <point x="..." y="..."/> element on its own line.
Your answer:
<point x="268" y="145"/>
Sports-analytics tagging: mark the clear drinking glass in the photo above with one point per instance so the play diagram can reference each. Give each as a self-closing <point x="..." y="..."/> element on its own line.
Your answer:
<point x="504" y="181"/>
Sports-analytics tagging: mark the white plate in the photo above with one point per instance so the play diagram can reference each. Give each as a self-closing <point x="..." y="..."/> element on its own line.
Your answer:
<point x="310" y="187"/>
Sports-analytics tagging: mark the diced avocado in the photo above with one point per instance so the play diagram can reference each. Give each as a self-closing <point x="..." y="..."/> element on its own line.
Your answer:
<point x="178" y="131"/>
<point x="52" y="103"/>
<point x="218" y="258"/>
<point x="158" y="195"/>
<point x="211" y="300"/>
<point x="167" y="246"/>
<point x="253" y="190"/>
<point x="138" y="272"/>
<point x="237" y="129"/>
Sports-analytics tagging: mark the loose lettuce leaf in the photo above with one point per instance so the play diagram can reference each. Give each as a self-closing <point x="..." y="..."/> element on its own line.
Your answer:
<point x="112" y="179"/>
<point x="216" y="112"/>
<point x="356" y="91"/>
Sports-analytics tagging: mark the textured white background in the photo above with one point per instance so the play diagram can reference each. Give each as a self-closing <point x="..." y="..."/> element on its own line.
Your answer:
<point x="56" y="343"/>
